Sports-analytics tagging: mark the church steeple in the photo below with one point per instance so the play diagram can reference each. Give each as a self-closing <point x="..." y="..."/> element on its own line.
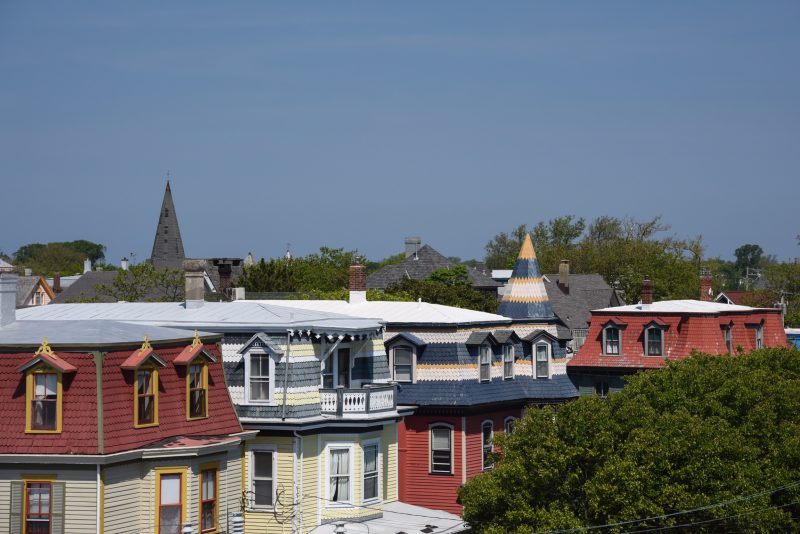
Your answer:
<point x="167" y="245"/>
<point x="526" y="296"/>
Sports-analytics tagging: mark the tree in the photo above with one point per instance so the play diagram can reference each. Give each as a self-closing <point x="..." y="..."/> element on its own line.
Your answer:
<point x="326" y="271"/>
<point x="275" y="275"/>
<point x="502" y="249"/>
<point x="748" y="257"/>
<point x="701" y="432"/>
<point x="450" y="287"/>
<point x="143" y="283"/>
<point x="62" y="257"/>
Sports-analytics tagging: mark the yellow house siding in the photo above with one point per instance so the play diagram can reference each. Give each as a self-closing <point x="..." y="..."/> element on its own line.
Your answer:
<point x="311" y="475"/>
<point x="389" y="445"/>
<point x="125" y="498"/>
<point x="279" y="521"/>
<point x="80" y="503"/>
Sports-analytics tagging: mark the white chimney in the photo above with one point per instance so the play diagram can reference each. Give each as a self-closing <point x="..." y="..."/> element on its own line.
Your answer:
<point x="8" y="298"/>
<point x="195" y="283"/>
<point x="87" y="265"/>
<point x="28" y="271"/>
<point x="124" y="264"/>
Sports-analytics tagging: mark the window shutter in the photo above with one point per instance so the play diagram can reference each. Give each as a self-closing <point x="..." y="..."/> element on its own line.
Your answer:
<point x="57" y="514"/>
<point x="17" y="498"/>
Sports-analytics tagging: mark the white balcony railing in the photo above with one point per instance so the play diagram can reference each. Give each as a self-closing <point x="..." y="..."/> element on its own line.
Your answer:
<point x="362" y="401"/>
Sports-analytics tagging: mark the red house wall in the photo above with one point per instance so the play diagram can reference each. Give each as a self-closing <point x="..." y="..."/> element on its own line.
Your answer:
<point x="79" y="409"/>
<point x="441" y="491"/>
<point x="118" y="393"/>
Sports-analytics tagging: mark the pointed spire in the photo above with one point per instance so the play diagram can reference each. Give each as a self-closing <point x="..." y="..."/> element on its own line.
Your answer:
<point x="168" y="245"/>
<point x="526" y="296"/>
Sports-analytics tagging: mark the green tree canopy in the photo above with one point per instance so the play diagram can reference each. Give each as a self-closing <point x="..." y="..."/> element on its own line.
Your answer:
<point x="62" y="257"/>
<point x="450" y="287"/>
<point x="700" y="432"/>
<point x="143" y="283"/>
<point x="748" y="256"/>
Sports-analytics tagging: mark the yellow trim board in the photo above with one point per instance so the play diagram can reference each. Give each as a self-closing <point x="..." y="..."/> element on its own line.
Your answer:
<point x="136" y="424"/>
<point x="159" y="471"/>
<point x="29" y="391"/>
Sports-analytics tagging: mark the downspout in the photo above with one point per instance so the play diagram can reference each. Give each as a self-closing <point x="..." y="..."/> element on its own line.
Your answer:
<point x="286" y="373"/>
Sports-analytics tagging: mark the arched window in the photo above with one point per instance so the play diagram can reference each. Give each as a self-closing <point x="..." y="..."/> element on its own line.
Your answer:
<point x="509" y="424"/>
<point x="487" y="436"/>
<point x="441" y="445"/>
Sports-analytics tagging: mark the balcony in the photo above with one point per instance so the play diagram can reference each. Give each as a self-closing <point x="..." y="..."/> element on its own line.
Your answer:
<point x="347" y="402"/>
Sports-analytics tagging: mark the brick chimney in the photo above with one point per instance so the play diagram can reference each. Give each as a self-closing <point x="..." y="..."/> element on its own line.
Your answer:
<point x="358" y="284"/>
<point x="563" y="276"/>
<point x="57" y="283"/>
<point x="412" y="246"/>
<point x="647" y="291"/>
<point x="8" y="298"/>
<point x="195" y="283"/>
<point x="706" y="292"/>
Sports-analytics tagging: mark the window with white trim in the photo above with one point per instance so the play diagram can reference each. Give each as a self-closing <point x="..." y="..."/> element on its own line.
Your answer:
<point x="611" y="340"/>
<point x="508" y="361"/>
<point x="759" y="336"/>
<point x="509" y="424"/>
<point x="441" y="449"/>
<point x="259" y="382"/>
<point x="403" y="363"/>
<point x="336" y="369"/>
<point x="485" y="356"/>
<point x="727" y="332"/>
<point x="542" y="350"/>
<point x="262" y="478"/>
<point x="371" y="481"/>
<point x="339" y="486"/>
<point x="487" y="436"/>
<point x="654" y="341"/>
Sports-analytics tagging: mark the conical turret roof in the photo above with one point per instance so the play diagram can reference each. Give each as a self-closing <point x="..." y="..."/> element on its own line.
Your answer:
<point x="526" y="295"/>
<point x="168" y="245"/>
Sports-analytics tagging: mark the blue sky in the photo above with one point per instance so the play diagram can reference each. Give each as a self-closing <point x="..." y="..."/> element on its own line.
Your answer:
<point x="354" y="124"/>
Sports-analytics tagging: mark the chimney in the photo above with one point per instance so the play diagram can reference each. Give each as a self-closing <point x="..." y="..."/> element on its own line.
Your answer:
<point x="87" y="265"/>
<point x="28" y="271"/>
<point x="358" y="284"/>
<point x="563" y="275"/>
<point x="706" y="292"/>
<point x="8" y="298"/>
<point x="124" y="264"/>
<point x="195" y="283"/>
<point x="647" y="291"/>
<point x="412" y="246"/>
<point x="57" y="283"/>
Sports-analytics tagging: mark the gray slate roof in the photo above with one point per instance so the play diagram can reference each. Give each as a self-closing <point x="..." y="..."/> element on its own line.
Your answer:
<point x="428" y="260"/>
<point x="587" y="292"/>
<point x="167" y="244"/>
<point x="472" y="393"/>
<point x="25" y="287"/>
<point x="84" y="289"/>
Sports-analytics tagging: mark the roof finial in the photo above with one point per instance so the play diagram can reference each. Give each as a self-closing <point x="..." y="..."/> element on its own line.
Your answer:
<point x="44" y="348"/>
<point x="146" y="344"/>
<point x="196" y="342"/>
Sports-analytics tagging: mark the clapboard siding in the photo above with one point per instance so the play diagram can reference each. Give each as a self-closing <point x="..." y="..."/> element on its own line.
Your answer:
<point x="266" y="522"/>
<point x="125" y="498"/>
<point x="80" y="504"/>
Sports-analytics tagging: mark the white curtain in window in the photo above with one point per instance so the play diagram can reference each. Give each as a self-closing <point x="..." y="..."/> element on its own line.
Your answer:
<point x="170" y="489"/>
<point x="441" y="438"/>
<point x="339" y="480"/>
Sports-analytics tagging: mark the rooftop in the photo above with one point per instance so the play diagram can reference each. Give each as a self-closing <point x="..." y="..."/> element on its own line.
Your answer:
<point x="680" y="306"/>
<point x="393" y="313"/>
<point x="66" y="334"/>
<point x="245" y="316"/>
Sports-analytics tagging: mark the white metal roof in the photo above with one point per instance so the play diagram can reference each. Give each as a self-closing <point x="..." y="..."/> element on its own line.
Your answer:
<point x="793" y="331"/>
<point x="679" y="306"/>
<point x="245" y="316"/>
<point x="86" y="333"/>
<point x="394" y="312"/>
<point x="402" y="517"/>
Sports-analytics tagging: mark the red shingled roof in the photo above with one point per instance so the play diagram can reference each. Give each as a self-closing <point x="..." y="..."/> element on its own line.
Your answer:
<point x="191" y="352"/>
<point x="139" y="357"/>
<point x="53" y="360"/>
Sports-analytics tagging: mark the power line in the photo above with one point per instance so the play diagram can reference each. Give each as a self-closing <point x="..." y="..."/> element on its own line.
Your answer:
<point x="669" y="527"/>
<point x="672" y="514"/>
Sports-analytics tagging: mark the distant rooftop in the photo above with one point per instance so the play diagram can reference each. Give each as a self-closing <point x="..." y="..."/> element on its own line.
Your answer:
<point x="679" y="306"/>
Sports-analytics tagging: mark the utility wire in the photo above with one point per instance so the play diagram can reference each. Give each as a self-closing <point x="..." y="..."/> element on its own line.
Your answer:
<point x="669" y="527"/>
<point x="682" y="512"/>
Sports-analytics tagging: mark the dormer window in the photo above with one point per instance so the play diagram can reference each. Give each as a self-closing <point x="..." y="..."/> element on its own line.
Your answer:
<point x="542" y="351"/>
<point x="44" y="386"/>
<point x="508" y="361"/>
<point x="197" y="390"/>
<point x="654" y="341"/>
<point x="611" y="340"/>
<point x="485" y="362"/>
<point x="146" y="400"/>
<point x="259" y="377"/>
<point x="403" y="363"/>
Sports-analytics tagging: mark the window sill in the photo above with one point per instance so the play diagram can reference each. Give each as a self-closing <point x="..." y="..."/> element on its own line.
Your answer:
<point x="199" y="418"/>
<point x="32" y="431"/>
<point x="372" y="501"/>
<point x="146" y="425"/>
<point x="260" y="509"/>
<point x="440" y="473"/>
<point x="338" y="505"/>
